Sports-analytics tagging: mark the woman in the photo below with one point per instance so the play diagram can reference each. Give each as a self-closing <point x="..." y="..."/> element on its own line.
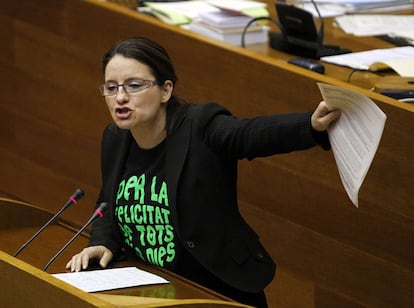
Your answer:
<point x="169" y="171"/>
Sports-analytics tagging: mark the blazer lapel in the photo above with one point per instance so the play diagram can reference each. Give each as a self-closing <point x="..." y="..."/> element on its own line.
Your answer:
<point x="118" y="161"/>
<point x="177" y="147"/>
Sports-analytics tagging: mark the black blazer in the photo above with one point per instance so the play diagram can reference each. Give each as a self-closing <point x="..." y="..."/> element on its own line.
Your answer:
<point x="201" y="171"/>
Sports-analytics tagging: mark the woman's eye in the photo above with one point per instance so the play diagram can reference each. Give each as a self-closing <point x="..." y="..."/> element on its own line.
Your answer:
<point x="134" y="85"/>
<point x="111" y="87"/>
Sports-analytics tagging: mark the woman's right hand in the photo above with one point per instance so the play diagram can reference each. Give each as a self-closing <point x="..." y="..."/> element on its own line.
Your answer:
<point x="80" y="261"/>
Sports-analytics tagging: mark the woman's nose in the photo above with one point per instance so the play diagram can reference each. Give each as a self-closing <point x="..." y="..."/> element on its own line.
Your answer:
<point x="121" y="95"/>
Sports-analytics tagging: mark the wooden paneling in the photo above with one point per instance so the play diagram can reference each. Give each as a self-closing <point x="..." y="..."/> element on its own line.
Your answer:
<point x="329" y="253"/>
<point x="334" y="264"/>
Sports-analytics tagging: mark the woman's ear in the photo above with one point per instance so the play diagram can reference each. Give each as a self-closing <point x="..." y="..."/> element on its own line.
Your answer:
<point x="167" y="90"/>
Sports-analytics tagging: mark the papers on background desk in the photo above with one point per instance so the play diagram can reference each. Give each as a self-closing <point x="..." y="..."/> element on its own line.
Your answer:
<point x="355" y="136"/>
<point x="326" y="9"/>
<point x="183" y="12"/>
<point x="400" y="59"/>
<point x="109" y="279"/>
<point x="369" y="25"/>
<point x="330" y="8"/>
<point x="228" y="27"/>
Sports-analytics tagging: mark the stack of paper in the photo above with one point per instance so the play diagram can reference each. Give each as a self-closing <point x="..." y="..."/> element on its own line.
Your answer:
<point x="372" y="6"/>
<point x="400" y="59"/>
<point x="183" y="12"/>
<point x="223" y="20"/>
<point x="329" y="8"/>
<point x="176" y="13"/>
<point x="247" y="7"/>
<point x="229" y="27"/>
<point x="374" y="24"/>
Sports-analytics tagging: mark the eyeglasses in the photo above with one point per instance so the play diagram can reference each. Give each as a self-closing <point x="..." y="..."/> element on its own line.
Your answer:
<point x="130" y="86"/>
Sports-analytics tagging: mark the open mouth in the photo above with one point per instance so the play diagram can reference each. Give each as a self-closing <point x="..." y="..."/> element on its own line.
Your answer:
<point x="123" y="112"/>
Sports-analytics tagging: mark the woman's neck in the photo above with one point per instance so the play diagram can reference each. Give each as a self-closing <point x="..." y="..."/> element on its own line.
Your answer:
<point x="149" y="138"/>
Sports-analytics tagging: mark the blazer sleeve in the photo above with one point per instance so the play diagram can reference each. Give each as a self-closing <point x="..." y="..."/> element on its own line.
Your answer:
<point x="259" y="136"/>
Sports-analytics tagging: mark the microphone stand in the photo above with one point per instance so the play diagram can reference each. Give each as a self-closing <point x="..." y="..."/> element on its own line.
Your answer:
<point x="72" y="200"/>
<point x="97" y="214"/>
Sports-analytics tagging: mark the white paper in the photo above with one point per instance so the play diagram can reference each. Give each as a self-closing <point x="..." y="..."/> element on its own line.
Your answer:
<point x="364" y="60"/>
<point x="190" y="9"/>
<point x="360" y="2"/>
<point x="329" y="8"/>
<point x="109" y="279"/>
<point x="372" y="24"/>
<point x="403" y="67"/>
<point x="406" y="33"/>
<point x="237" y="5"/>
<point x="355" y="136"/>
<point x="325" y="10"/>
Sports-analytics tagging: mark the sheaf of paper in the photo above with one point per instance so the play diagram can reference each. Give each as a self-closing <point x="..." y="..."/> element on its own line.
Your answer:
<point x="189" y="9"/>
<point x="109" y="279"/>
<point x="325" y="9"/>
<point x="355" y="136"/>
<point x="373" y="24"/>
<point x="403" y="67"/>
<point x="370" y="59"/>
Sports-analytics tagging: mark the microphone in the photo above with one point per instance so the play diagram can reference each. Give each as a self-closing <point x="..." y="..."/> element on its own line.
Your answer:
<point x="97" y="214"/>
<point x="326" y="49"/>
<point x="321" y="33"/>
<point x="76" y="196"/>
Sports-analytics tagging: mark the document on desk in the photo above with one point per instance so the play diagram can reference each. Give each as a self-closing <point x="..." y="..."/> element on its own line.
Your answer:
<point x="183" y="12"/>
<point x="355" y="136"/>
<point x="109" y="279"/>
<point x="400" y="59"/>
<point x="375" y="24"/>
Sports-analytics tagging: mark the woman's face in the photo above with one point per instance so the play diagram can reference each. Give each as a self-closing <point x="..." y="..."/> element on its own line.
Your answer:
<point x="143" y="110"/>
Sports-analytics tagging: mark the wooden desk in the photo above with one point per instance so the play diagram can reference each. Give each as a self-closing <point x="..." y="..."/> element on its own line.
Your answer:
<point x="19" y="221"/>
<point x="328" y="252"/>
<point x="335" y="35"/>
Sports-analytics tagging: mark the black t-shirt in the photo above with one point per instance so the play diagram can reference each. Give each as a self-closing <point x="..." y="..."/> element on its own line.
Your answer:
<point x="142" y="209"/>
<point x="143" y="214"/>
